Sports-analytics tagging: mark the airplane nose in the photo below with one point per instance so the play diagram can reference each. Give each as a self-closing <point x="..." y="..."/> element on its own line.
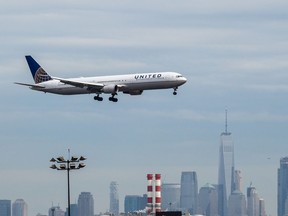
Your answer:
<point x="183" y="79"/>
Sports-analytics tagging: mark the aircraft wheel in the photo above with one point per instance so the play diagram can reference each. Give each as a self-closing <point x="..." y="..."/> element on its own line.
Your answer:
<point x="174" y="93"/>
<point x="113" y="99"/>
<point x="98" y="98"/>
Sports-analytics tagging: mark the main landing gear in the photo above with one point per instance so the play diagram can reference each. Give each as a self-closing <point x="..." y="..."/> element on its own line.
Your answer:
<point x="98" y="98"/>
<point x="175" y="91"/>
<point x="112" y="98"/>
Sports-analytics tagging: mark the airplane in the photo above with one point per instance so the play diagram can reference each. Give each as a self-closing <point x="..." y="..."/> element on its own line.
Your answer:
<point x="133" y="84"/>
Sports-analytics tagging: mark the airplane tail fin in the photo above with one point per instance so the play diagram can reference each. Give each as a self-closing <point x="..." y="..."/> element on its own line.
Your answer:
<point x="38" y="73"/>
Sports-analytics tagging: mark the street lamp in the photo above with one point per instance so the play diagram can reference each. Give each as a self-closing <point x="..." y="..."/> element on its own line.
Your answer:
<point x="72" y="163"/>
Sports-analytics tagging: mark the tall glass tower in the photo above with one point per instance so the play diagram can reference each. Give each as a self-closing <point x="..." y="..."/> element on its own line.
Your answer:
<point x="226" y="169"/>
<point x="252" y="202"/>
<point x="170" y="196"/>
<point x="114" y="198"/>
<point x="19" y="208"/>
<point x="208" y="200"/>
<point x="85" y="204"/>
<point x="134" y="203"/>
<point x="282" y="187"/>
<point x="189" y="192"/>
<point x="5" y="207"/>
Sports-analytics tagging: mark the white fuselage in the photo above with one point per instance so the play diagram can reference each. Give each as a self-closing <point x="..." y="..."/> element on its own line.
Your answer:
<point x="130" y="83"/>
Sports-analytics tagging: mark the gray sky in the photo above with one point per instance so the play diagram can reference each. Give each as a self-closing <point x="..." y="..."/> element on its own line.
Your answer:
<point x="234" y="55"/>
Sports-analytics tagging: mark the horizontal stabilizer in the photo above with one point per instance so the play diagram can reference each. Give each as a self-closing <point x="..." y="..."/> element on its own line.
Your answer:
<point x="30" y="85"/>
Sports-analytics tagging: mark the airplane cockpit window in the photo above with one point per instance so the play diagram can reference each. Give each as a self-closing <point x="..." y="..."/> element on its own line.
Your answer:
<point x="178" y="76"/>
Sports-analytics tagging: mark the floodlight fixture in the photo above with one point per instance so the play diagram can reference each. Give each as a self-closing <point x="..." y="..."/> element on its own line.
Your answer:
<point x="72" y="166"/>
<point x="60" y="159"/>
<point x="53" y="166"/>
<point x="63" y="166"/>
<point x="74" y="159"/>
<point x="53" y="160"/>
<point x="81" y="165"/>
<point x="82" y="158"/>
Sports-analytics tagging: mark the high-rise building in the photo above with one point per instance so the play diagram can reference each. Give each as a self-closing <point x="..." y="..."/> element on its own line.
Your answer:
<point x="56" y="211"/>
<point x="85" y="204"/>
<point x="189" y="192"/>
<point x="19" y="208"/>
<point x="114" y="198"/>
<point x="5" y="207"/>
<point x="237" y="204"/>
<point x="134" y="203"/>
<point x="262" y="211"/>
<point x="170" y="196"/>
<point x="237" y="181"/>
<point x="282" y="187"/>
<point x="252" y="202"/>
<point x="73" y="210"/>
<point x="208" y="200"/>
<point x="226" y="169"/>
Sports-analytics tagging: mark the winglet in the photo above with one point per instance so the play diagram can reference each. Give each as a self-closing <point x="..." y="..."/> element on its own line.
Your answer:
<point x="38" y="73"/>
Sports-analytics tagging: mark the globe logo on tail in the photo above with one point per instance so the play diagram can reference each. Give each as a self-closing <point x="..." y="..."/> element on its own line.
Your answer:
<point x="41" y="76"/>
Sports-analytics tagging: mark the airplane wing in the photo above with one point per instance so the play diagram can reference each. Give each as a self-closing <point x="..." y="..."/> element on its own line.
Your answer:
<point x="91" y="86"/>
<point x="30" y="85"/>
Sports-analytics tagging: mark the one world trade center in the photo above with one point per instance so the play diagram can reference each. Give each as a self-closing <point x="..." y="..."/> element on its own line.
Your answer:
<point x="226" y="170"/>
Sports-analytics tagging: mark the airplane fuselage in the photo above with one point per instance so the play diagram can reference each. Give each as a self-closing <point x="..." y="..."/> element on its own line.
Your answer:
<point x="131" y="83"/>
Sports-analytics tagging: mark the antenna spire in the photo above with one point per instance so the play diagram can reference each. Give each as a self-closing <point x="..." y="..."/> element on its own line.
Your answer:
<point x="226" y="125"/>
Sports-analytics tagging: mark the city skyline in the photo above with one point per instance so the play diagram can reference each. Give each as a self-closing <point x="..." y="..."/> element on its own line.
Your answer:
<point x="205" y="195"/>
<point x="234" y="55"/>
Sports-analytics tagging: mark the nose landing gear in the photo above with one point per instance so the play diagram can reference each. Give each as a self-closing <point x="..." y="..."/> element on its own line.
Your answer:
<point x="175" y="91"/>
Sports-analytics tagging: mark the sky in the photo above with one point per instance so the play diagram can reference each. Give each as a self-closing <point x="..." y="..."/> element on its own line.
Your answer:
<point x="234" y="55"/>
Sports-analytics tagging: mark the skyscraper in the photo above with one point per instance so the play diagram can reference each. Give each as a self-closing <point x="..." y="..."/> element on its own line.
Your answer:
<point x="262" y="211"/>
<point x="73" y="210"/>
<point x="114" y="198"/>
<point x="252" y="202"/>
<point x="85" y="204"/>
<point x="208" y="200"/>
<point x="226" y="169"/>
<point x="19" y="208"/>
<point x="56" y="211"/>
<point x="237" y="180"/>
<point x="189" y="192"/>
<point x="282" y="187"/>
<point x="133" y="203"/>
<point x="5" y="207"/>
<point x="170" y="196"/>
<point x="237" y="204"/>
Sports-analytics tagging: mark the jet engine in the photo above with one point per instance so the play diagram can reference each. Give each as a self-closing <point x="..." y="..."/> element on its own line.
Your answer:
<point x="112" y="89"/>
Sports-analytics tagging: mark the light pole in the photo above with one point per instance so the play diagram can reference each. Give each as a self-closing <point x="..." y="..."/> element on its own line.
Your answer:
<point x="72" y="163"/>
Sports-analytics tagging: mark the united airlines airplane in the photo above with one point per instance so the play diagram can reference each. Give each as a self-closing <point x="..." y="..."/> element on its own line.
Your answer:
<point x="133" y="84"/>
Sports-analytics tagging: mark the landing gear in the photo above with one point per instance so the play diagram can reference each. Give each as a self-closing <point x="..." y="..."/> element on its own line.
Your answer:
<point x="175" y="91"/>
<point x="98" y="98"/>
<point x="112" y="98"/>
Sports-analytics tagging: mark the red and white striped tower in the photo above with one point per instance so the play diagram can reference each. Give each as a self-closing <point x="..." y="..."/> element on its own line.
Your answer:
<point x="157" y="192"/>
<point x="149" y="208"/>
